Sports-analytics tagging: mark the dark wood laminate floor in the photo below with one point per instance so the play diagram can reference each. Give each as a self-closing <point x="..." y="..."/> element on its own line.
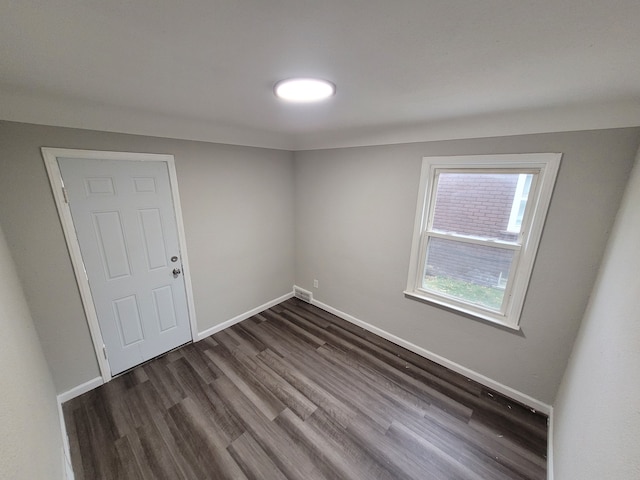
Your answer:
<point x="297" y="393"/>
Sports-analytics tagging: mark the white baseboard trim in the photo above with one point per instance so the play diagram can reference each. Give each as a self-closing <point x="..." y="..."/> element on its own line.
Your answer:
<point x="467" y="372"/>
<point x="550" y="445"/>
<point x="221" y="326"/>
<point x="80" y="389"/>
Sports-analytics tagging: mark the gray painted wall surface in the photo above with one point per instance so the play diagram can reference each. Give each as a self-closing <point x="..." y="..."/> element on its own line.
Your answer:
<point x="597" y="414"/>
<point x="30" y="438"/>
<point x="355" y="210"/>
<point x="238" y="215"/>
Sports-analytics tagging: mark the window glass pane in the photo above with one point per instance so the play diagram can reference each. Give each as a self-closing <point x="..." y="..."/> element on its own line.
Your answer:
<point x="476" y="274"/>
<point x="480" y="204"/>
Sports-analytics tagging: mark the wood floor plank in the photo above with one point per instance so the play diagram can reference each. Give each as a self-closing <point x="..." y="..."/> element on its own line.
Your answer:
<point x="423" y="447"/>
<point x="246" y="382"/>
<point x="194" y="462"/>
<point x="312" y="314"/>
<point x="130" y="467"/>
<point x="254" y="461"/>
<point x="243" y="332"/>
<point x="143" y="404"/>
<point x="469" y="455"/>
<point x="285" y="392"/>
<point x="156" y="454"/>
<point x="85" y="458"/>
<point x="394" y="368"/>
<point x="332" y="458"/>
<point x="203" y="436"/>
<point x="201" y="364"/>
<point x="362" y="463"/>
<point x="401" y="461"/>
<point x="226" y="423"/>
<point x="244" y="343"/>
<point x="297" y="393"/>
<point x="301" y="334"/>
<point x="152" y="455"/>
<point x="400" y="399"/>
<point x="487" y="443"/>
<point x="283" y="450"/>
<point x="332" y="380"/>
<point x="166" y="385"/>
<point x="325" y="400"/>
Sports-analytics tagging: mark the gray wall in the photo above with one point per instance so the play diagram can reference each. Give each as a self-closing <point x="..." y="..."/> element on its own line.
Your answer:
<point x="30" y="438"/>
<point x="355" y="210"/>
<point x="238" y="215"/>
<point x="597" y="421"/>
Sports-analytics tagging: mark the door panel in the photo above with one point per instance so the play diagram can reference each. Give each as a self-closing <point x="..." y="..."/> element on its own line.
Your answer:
<point x="128" y="318"/>
<point x="110" y="239"/>
<point x="99" y="186"/>
<point x="151" y="226"/>
<point x="165" y="309"/>
<point x="124" y="219"/>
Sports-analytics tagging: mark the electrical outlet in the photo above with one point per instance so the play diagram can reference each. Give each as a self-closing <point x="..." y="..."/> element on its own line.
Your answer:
<point x="315" y="283"/>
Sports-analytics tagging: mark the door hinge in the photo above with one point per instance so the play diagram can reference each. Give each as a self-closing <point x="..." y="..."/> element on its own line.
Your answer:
<point x="104" y="351"/>
<point x="65" y="195"/>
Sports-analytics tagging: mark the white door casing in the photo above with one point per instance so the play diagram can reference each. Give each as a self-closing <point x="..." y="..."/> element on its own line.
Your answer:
<point x="122" y="221"/>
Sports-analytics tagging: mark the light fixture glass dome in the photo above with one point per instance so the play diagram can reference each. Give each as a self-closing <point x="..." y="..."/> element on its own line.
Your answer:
<point x="304" y="89"/>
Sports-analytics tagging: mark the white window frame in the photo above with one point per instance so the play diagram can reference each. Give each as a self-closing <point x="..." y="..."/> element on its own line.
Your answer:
<point x="514" y="224"/>
<point x="545" y="166"/>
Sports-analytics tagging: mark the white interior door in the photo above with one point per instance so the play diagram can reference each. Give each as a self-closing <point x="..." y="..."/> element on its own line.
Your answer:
<point x="123" y="215"/>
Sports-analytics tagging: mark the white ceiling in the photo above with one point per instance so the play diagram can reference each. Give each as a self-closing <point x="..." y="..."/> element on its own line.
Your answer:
<point x="406" y="70"/>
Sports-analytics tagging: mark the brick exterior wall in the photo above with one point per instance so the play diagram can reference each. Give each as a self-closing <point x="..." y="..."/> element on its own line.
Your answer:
<point x="473" y="204"/>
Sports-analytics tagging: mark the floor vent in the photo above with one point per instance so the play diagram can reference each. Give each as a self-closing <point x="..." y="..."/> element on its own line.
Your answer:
<point x="304" y="295"/>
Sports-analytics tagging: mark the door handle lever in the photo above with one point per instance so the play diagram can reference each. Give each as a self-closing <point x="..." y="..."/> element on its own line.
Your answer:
<point x="176" y="272"/>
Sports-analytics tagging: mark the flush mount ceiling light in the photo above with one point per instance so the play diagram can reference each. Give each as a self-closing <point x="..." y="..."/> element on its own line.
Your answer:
<point x="304" y="90"/>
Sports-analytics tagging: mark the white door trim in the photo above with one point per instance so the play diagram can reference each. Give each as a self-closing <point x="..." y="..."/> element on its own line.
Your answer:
<point x="50" y="156"/>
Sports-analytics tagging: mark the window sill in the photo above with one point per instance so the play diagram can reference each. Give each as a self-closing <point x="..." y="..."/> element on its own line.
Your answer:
<point x="454" y="308"/>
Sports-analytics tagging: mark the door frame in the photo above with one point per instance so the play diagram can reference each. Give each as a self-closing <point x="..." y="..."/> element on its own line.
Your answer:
<point x="50" y="156"/>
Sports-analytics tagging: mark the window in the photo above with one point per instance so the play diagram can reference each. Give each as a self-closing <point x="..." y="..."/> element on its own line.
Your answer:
<point x="478" y="224"/>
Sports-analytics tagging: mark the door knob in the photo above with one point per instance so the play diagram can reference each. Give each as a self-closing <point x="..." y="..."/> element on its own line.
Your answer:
<point x="176" y="271"/>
